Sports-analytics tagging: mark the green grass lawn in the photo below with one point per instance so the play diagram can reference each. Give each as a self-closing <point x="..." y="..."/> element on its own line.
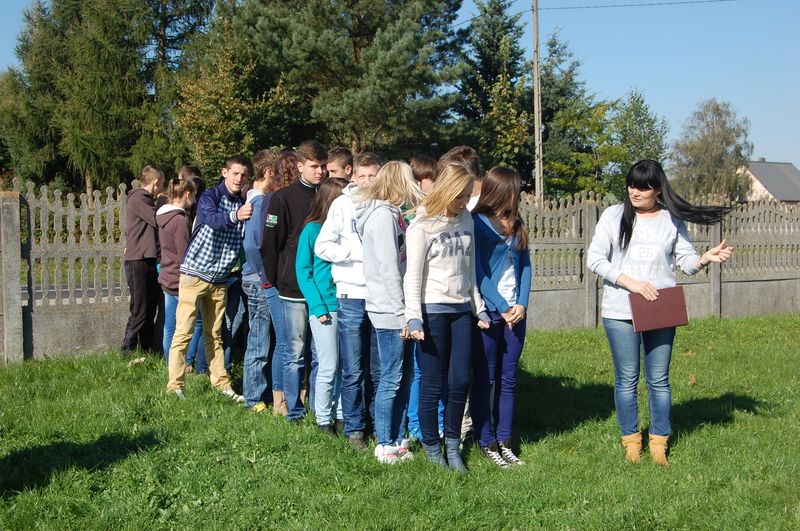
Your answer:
<point x="91" y="443"/>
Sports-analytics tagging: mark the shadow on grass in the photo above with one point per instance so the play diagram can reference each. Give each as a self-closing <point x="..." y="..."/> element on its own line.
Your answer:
<point x="32" y="468"/>
<point x="549" y="404"/>
<point x="693" y="414"/>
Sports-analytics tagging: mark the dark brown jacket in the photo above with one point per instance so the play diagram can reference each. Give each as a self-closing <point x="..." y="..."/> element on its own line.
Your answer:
<point x="141" y="239"/>
<point x="174" y="235"/>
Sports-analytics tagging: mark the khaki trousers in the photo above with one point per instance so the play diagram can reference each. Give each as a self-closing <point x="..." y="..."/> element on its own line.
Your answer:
<point x="210" y="298"/>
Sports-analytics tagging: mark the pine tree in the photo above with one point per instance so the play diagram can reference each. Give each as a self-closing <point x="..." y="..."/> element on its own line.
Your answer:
<point x="373" y="72"/>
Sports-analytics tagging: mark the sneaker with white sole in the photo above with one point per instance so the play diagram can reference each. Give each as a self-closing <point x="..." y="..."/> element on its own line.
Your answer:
<point x="404" y="450"/>
<point x="492" y="452"/>
<point x="509" y="456"/>
<point x="387" y="454"/>
<point x="230" y="393"/>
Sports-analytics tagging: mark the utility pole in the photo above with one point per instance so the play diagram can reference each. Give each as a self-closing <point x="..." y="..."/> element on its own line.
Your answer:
<point x="538" y="180"/>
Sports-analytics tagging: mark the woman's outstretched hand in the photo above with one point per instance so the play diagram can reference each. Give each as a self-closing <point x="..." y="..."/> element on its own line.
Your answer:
<point x="718" y="254"/>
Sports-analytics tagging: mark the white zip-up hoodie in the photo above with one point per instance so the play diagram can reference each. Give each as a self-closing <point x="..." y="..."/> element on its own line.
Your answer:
<point x="339" y="243"/>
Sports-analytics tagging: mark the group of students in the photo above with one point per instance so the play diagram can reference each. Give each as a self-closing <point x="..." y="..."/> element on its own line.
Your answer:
<point x="393" y="291"/>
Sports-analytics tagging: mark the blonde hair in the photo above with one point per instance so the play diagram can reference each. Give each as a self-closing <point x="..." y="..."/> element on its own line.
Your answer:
<point x="394" y="184"/>
<point x="450" y="183"/>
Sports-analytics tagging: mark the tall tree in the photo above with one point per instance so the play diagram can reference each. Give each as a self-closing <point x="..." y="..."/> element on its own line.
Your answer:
<point x="711" y="151"/>
<point x="640" y="133"/>
<point x="226" y="107"/>
<point x="102" y="91"/>
<point x="374" y="72"/>
<point x="493" y="86"/>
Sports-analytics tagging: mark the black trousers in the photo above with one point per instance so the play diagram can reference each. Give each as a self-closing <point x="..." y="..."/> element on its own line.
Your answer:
<point x="142" y="280"/>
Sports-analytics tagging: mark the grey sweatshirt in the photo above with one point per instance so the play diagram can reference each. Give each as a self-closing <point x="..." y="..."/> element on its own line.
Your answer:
<point x="382" y="230"/>
<point x="656" y="245"/>
<point x="441" y="265"/>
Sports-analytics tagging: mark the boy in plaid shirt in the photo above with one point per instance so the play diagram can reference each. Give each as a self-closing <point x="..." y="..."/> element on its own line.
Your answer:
<point x="212" y="253"/>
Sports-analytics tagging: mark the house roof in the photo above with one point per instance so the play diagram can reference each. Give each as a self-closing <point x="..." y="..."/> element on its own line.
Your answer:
<point x="781" y="179"/>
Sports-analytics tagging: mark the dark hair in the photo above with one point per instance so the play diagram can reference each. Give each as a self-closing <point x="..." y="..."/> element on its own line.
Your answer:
<point x="329" y="190"/>
<point x="188" y="170"/>
<point x="501" y="191"/>
<point x="464" y="155"/>
<point x="341" y="155"/>
<point x="285" y="170"/>
<point x="366" y="158"/>
<point x="150" y="174"/>
<point x="311" y="150"/>
<point x="649" y="175"/>
<point x="423" y="167"/>
<point x="237" y="159"/>
<point x="178" y="187"/>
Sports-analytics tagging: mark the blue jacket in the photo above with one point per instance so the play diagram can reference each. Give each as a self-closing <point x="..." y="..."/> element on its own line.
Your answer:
<point x="490" y="251"/>
<point x="253" y="268"/>
<point x="217" y="238"/>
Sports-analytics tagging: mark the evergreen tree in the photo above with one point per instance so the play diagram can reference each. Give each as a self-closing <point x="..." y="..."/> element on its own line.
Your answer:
<point x="373" y="72"/>
<point x="102" y="92"/>
<point x="713" y="148"/>
<point x="494" y="87"/>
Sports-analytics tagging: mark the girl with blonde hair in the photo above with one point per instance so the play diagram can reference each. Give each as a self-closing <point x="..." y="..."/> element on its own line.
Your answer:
<point x="380" y="223"/>
<point x="442" y="300"/>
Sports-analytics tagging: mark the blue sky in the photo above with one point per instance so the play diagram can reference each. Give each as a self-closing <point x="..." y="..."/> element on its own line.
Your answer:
<point x="746" y="52"/>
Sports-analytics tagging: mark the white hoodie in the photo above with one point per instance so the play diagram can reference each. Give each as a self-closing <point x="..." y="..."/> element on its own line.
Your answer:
<point x="339" y="243"/>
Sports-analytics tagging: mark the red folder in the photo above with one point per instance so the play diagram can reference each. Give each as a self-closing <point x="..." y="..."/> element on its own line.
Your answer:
<point x="668" y="310"/>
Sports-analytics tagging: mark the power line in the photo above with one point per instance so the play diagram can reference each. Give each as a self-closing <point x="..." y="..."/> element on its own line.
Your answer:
<point x="607" y="6"/>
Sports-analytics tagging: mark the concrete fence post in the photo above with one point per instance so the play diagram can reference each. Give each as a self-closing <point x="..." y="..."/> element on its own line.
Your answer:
<point x="715" y="274"/>
<point x="10" y="278"/>
<point x="590" y="310"/>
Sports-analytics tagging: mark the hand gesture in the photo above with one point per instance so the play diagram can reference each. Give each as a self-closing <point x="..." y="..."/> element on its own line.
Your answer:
<point x="645" y="289"/>
<point x="483" y="325"/>
<point x="418" y="335"/>
<point x="718" y="254"/>
<point x="245" y="212"/>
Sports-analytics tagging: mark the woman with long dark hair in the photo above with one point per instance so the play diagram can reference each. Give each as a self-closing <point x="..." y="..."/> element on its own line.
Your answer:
<point x="634" y="249"/>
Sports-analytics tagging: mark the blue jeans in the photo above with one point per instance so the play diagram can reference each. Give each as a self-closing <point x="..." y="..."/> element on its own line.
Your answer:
<point x="625" y="348"/>
<point x="234" y="317"/>
<point x="279" y="349"/>
<point x="328" y="376"/>
<point x="391" y="397"/>
<point x="256" y="356"/>
<point x="444" y="353"/>
<point x="414" y="430"/>
<point x="294" y="364"/>
<point x="354" y="333"/>
<point x="170" y="304"/>
<point x="197" y="347"/>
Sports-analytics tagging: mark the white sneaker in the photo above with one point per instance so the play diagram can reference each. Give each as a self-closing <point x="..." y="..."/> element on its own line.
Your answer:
<point x="178" y="393"/>
<point x="403" y="451"/>
<point x="387" y="454"/>
<point x="230" y="393"/>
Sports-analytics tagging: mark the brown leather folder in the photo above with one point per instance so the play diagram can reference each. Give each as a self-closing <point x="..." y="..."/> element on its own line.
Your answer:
<point x="668" y="310"/>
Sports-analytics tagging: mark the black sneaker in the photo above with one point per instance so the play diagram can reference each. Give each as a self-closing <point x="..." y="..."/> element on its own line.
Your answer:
<point x="327" y="429"/>
<point x="357" y="441"/>
<point x="509" y="456"/>
<point x="340" y="427"/>
<point x="492" y="452"/>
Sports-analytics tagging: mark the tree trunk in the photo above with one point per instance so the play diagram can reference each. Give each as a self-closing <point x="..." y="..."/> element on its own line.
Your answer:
<point x="355" y="143"/>
<point x="87" y="179"/>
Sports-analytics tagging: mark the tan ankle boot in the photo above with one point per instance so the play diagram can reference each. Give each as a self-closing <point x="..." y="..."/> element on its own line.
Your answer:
<point x="658" y="449"/>
<point x="279" y="408"/>
<point x="633" y="447"/>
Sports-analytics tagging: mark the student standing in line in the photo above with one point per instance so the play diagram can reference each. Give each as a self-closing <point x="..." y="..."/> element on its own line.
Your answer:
<point x="316" y="284"/>
<point x="381" y="224"/>
<point x="442" y="300"/>
<point x="339" y="243"/>
<point x="213" y="251"/>
<point x="173" y="235"/>
<point x="141" y="257"/>
<point x="258" y="289"/>
<point x="634" y="249"/>
<point x="287" y="212"/>
<point x="340" y="163"/>
<point x="503" y="268"/>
